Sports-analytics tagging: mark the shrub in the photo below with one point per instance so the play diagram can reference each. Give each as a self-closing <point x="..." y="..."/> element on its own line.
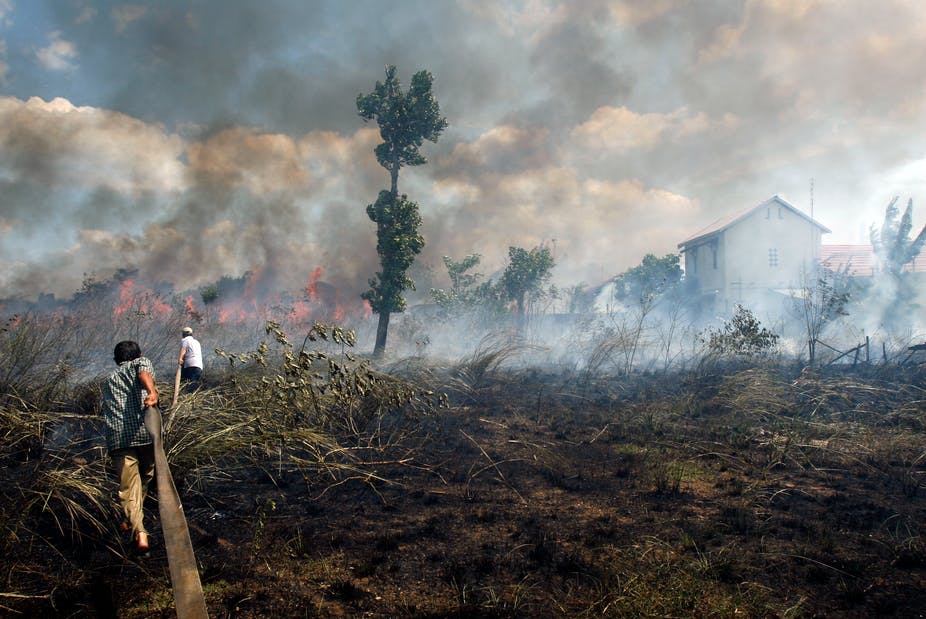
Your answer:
<point x="741" y="336"/>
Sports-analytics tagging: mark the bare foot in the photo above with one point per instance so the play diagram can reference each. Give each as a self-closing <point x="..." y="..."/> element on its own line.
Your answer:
<point x="141" y="542"/>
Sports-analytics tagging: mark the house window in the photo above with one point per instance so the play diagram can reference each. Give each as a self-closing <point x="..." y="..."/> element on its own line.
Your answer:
<point x="773" y="257"/>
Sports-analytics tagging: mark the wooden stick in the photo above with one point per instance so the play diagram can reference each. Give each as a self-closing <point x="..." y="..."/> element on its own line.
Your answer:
<point x="173" y="402"/>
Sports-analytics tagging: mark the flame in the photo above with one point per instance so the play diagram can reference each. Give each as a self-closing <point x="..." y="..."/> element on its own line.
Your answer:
<point x="126" y="298"/>
<point x="313" y="280"/>
<point x="253" y="301"/>
<point x="133" y="300"/>
<point x="319" y="301"/>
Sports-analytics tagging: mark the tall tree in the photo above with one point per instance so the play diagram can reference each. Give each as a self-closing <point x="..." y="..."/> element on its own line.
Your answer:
<point x="650" y="279"/>
<point x="405" y="120"/>
<point x="892" y="243"/>
<point x="894" y="249"/>
<point x="639" y="290"/>
<point x="526" y="273"/>
<point x="398" y="242"/>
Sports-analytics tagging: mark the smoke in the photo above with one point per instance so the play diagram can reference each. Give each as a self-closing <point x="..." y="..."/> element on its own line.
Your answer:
<point x="126" y="195"/>
<point x="193" y="142"/>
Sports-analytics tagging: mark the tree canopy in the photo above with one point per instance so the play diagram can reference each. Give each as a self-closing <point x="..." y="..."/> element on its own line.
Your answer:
<point x="892" y="243"/>
<point x="462" y="284"/>
<point x="397" y="246"/>
<point x="405" y="120"/>
<point x="894" y="248"/>
<point x="648" y="280"/>
<point x="526" y="273"/>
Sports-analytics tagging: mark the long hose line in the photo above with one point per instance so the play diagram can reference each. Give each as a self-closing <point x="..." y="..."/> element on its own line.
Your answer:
<point x="184" y="575"/>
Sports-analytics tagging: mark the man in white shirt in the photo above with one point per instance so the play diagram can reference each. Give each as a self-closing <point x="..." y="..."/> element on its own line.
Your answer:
<point x="191" y="359"/>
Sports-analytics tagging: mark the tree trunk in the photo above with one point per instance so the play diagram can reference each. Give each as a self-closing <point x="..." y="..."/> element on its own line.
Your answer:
<point x="382" y="329"/>
<point x="520" y="315"/>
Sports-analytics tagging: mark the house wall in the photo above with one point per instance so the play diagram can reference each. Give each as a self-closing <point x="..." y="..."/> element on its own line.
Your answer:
<point x="702" y="266"/>
<point x="771" y="248"/>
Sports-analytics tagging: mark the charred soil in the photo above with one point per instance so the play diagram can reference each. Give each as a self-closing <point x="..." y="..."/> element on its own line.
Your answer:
<point x="727" y="491"/>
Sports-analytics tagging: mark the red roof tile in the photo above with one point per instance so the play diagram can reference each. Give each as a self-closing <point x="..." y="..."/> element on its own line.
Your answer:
<point x="860" y="260"/>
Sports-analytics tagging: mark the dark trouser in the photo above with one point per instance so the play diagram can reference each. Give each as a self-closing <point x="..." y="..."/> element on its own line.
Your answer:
<point x="191" y="376"/>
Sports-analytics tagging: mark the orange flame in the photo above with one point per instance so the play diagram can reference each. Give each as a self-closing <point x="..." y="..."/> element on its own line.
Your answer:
<point x="313" y="281"/>
<point x="319" y="301"/>
<point x="136" y="301"/>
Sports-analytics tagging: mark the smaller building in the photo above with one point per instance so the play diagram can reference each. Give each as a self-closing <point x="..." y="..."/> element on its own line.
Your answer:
<point x="764" y="253"/>
<point x="860" y="261"/>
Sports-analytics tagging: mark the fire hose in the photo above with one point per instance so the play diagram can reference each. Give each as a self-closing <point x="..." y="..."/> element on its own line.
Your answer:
<point x="184" y="575"/>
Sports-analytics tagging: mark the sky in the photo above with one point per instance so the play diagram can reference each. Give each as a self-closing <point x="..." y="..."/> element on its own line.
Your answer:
<point x="197" y="139"/>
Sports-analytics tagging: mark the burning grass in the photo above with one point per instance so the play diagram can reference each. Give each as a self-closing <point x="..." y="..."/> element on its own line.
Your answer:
<point x="318" y="485"/>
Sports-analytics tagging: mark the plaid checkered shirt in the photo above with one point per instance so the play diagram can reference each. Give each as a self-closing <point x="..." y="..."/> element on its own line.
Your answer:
<point x="123" y="397"/>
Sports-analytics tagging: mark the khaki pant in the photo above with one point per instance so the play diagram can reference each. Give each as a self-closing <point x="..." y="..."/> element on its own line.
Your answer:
<point x="135" y="468"/>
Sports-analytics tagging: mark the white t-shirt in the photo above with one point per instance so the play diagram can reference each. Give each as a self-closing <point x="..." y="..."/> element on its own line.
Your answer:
<point x="194" y="353"/>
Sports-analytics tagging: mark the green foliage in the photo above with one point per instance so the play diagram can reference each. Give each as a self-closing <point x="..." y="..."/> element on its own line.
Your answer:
<point x="892" y="242"/>
<point x="209" y="294"/>
<point x="466" y="293"/>
<point x="405" y="119"/>
<point x="460" y="280"/>
<point x="741" y="336"/>
<point x="526" y="273"/>
<point x="650" y="279"/>
<point x="397" y="221"/>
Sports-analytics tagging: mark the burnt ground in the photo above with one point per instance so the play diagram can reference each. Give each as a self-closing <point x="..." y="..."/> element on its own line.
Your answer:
<point x="538" y="496"/>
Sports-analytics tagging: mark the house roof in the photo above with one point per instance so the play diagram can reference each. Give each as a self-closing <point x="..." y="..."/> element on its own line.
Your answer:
<point x="848" y="259"/>
<point x="725" y="222"/>
<point x="860" y="260"/>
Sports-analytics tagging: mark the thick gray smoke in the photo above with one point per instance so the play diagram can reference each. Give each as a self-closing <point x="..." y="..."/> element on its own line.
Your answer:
<point x="196" y="141"/>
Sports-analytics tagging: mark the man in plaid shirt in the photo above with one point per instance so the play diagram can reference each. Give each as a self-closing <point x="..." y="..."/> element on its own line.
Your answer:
<point x="128" y="392"/>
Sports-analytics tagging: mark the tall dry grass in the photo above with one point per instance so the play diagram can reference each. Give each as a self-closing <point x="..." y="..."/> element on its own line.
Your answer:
<point x="315" y="411"/>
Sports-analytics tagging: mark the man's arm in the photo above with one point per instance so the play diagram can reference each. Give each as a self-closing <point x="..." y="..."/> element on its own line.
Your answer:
<point x="182" y="355"/>
<point x="147" y="381"/>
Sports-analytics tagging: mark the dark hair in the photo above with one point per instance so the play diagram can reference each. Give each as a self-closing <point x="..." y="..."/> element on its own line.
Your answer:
<point x="127" y="350"/>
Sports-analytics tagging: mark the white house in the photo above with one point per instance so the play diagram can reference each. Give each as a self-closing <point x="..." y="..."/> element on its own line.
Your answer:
<point x="769" y="251"/>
